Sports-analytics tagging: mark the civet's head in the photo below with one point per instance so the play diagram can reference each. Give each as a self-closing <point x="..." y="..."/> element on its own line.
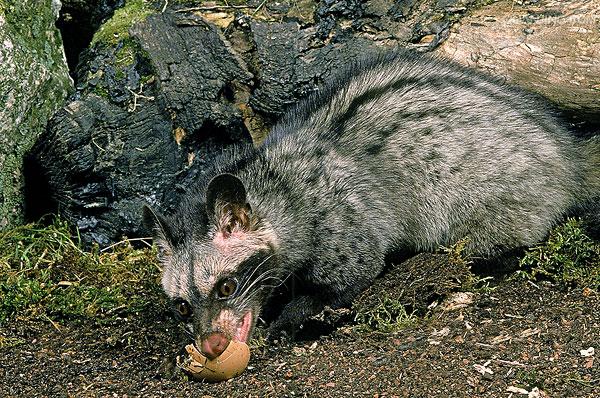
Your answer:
<point x="218" y="260"/>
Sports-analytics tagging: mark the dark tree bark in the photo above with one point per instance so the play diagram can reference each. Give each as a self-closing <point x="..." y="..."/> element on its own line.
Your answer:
<point x="157" y="102"/>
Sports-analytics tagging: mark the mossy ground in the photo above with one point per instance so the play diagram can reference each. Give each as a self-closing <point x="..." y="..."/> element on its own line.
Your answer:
<point x="96" y="323"/>
<point x="45" y="274"/>
<point x="387" y="316"/>
<point x="569" y="257"/>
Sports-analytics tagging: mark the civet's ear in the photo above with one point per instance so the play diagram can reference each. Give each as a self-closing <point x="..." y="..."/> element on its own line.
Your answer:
<point x="226" y="203"/>
<point x="226" y="189"/>
<point x="158" y="225"/>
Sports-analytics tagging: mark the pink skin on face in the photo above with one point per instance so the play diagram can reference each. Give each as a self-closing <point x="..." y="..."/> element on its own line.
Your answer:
<point x="224" y="241"/>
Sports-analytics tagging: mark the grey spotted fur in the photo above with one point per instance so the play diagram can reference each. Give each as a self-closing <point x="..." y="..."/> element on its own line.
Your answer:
<point x="402" y="151"/>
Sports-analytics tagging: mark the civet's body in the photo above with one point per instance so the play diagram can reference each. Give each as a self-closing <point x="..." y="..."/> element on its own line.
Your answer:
<point x="401" y="152"/>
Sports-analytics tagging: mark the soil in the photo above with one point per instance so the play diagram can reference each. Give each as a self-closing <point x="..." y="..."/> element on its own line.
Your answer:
<point x="516" y="339"/>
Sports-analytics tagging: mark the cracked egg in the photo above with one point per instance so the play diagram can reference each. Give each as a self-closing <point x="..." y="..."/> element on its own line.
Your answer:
<point x="231" y="363"/>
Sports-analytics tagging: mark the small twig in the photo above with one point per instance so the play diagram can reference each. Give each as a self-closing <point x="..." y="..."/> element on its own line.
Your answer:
<point x="281" y="365"/>
<point x="39" y="260"/>
<point x="261" y="5"/>
<point x="88" y="387"/>
<point x="116" y="309"/>
<point x="583" y="382"/>
<point x="52" y="322"/>
<point x="533" y="284"/>
<point x="165" y="6"/>
<point x="137" y="95"/>
<point x="511" y="363"/>
<point x="483" y="369"/>
<point x="209" y="8"/>
<point x="514" y="316"/>
<point x="98" y="146"/>
<point x="143" y="240"/>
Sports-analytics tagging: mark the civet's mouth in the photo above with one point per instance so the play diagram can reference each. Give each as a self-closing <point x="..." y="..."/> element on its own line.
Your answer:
<point x="215" y="343"/>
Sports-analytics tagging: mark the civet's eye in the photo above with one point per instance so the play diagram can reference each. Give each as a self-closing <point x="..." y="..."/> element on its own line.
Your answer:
<point x="183" y="308"/>
<point x="226" y="287"/>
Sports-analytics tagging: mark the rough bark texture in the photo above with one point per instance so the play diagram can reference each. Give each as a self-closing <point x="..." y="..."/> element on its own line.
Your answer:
<point x="34" y="82"/>
<point x="159" y="100"/>
<point x="550" y="47"/>
<point x="140" y="133"/>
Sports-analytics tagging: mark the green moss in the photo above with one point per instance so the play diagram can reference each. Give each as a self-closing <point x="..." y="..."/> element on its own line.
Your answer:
<point x="9" y="342"/>
<point x="122" y="65"/>
<point x="125" y="55"/>
<point x="259" y="341"/>
<point x="389" y="315"/>
<point x="569" y="258"/>
<point x="146" y="79"/>
<point x="458" y="257"/>
<point x="45" y="274"/>
<point x="120" y="74"/>
<point x="530" y="378"/>
<point x="117" y="28"/>
<point x="101" y="91"/>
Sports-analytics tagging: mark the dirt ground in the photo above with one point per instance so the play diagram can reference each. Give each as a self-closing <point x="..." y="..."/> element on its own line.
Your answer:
<point x="518" y="339"/>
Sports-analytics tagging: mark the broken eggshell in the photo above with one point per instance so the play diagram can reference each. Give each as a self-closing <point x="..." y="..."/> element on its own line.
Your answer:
<point x="231" y="363"/>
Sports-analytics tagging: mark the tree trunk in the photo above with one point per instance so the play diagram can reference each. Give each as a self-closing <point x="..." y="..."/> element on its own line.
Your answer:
<point x="34" y="81"/>
<point x="550" y="47"/>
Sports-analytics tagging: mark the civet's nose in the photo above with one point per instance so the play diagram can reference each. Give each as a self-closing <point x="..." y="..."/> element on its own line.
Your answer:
<point x="214" y="345"/>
